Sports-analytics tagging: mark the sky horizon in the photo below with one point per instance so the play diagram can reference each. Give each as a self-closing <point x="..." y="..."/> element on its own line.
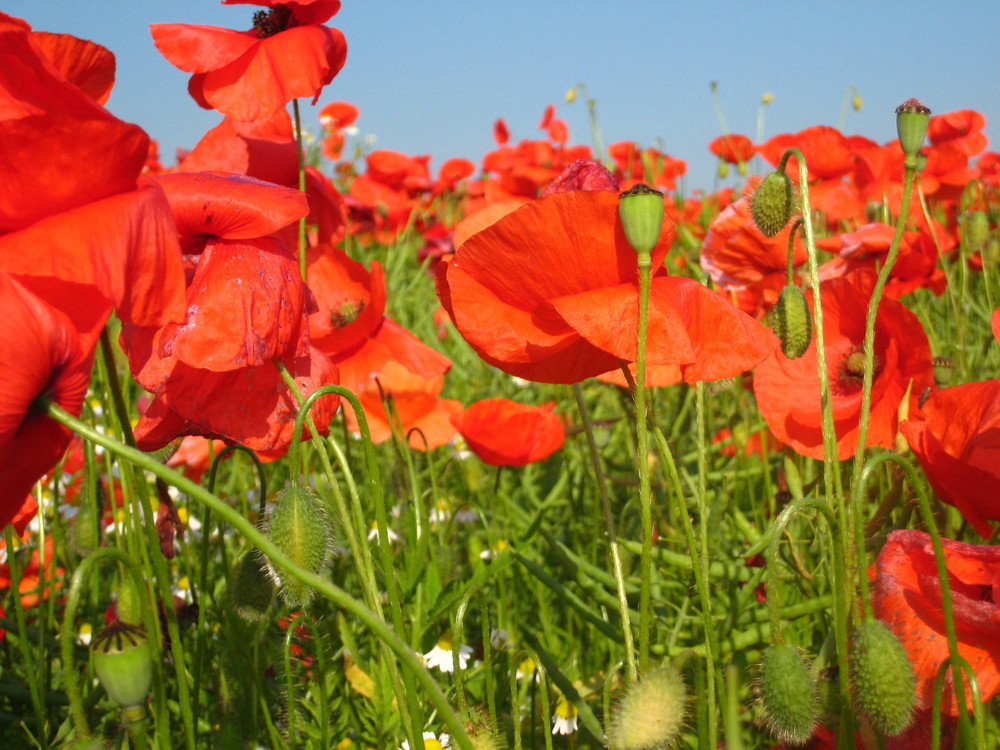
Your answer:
<point x="431" y="78"/>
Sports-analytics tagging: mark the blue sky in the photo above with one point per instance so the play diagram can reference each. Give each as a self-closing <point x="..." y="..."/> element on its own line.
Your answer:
<point x="431" y="76"/>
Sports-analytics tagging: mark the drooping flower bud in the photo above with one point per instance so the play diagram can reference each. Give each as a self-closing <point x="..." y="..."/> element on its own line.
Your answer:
<point x="251" y="588"/>
<point x="912" y="119"/>
<point x="300" y="528"/>
<point x="123" y="663"/>
<point x="882" y="678"/>
<point x="771" y="205"/>
<point x="977" y="230"/>
<point x="791" y="322"/>
<point x="641" y="212"/>
<point x="789" y="699"/>
<point x="651" y="713"/>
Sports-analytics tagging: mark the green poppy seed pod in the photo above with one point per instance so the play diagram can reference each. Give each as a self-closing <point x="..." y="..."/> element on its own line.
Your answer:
<point x="650" y="714"/>
<point x="771" y="205"/>
<point x="791" y="322"/>
<point x="251" y="588"/>
<point x="789" y="699"/>
<point x="912" y="119"/>
<point x="977" y="230"/>
<point x="722" y="169"/>
<point x="123" y="662"/>
<point x="882" y="678"/>
<point x="641" y="212"/>
<point x="944" y="367"/>
<point x="300" y="528"/>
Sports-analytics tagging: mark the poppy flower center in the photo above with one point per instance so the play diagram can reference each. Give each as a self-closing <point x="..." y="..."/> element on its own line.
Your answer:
<point x="851" y="371"/>
<point x="270" y="22"/>
<point x="347" y="313"/>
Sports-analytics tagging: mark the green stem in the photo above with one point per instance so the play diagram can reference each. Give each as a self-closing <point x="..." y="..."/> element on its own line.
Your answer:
<point x="642" y="449"/>
<point x="300" y="152"/>
<point x="378" y="627"/>
<point x="609" y="525"/>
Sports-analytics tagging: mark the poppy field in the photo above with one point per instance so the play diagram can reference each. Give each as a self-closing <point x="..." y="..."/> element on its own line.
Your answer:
<point x="304" y="444"/>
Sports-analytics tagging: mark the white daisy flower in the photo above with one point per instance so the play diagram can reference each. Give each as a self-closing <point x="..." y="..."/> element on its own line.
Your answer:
<point x="374" y="536"/>
<point x="564" y="719"/>
<point x="441" y="655"/>
<point x="431" y="742"/>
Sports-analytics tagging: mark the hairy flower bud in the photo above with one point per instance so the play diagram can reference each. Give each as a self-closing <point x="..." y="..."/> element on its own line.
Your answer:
<point x="641" y="212"/>
<point x="650" y="714"/>
<point x="789" y="699"/>
<point x="771" y="205"/>
<point x="791" y="322"/>
<point x="300" y="528"/>
<point x="882" y="678"/>
<point x="251" y="588"/>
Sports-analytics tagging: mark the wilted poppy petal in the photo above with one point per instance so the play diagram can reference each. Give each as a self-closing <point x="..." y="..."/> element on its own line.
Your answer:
<point x="88" y="66"/>
<point x="229" y="206"/>
<point x="505" y="433"/>
<point x="43" y="356"/>
<point x="245" y="306"/>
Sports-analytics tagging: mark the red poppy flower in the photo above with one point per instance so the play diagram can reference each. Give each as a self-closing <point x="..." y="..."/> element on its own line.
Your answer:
<point x="246" y="305"/>
<point x="88" y="66"/>
<point x="732" y="148"/>
<point x="907" y="595"/>
<point x="506" y="433"/>
<point x="337" y="115"/>
<point x="962" y="128"/>
<point x="549" y="293"/>
<point x="95" y="225"/>
<point x="995" y="324"/>
<point x="828" y="153"/>
<point x="350" y="325"/>
<point x="788" y="392"/>
<point x="957" y="441"/>
<point x="423" y="418"/>
<point x="500" y="133"/>
<point x="633" y="165"/>
<point x="32" y="573"/>
<point x="250" y="75"/>
<point x="44" y="356"/>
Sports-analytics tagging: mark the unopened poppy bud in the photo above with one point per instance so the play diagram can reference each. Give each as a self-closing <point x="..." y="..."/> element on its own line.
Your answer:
<point x="791" y="322"/>
<point x="767" y="98"/>
<point x="123" y="663"/>
<point x="85" y="535"/>
<point x="912" y="119"/>
<point x="771" y="205"/>
<point x="882" y="678"/>
<point x="943" y="369"/>
<point x="251" y="588"/>
<point x="641" y="212"/>
<point x="977" y="230"/>
<point x="300" y="528"/>
<point x="856" y="102"/>
<point x="651" y="713"/>
<point x="571" y="95"/>
<point x="789" y="699"/>
<point x="741" y="168"/>
<point x="722" y="170"/>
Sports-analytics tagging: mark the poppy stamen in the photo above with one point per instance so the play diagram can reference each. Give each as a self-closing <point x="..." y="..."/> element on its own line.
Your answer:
<point x="267" y="23"/>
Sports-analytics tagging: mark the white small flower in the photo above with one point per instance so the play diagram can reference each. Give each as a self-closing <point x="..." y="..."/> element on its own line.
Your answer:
<point x="431" y="742"/>
<point x="459" y="448"/>
<point x="526" y="669"/>
<point x="441" y="655"/>
<point x="565" y="717"/>
<point x="182" y="589"/>
<point x="494" y="551"/>
<point x="467" y="514"/>
<point x="85" y="633"/>
<point x="500" y="639"/>
<point x="374" y="536"/>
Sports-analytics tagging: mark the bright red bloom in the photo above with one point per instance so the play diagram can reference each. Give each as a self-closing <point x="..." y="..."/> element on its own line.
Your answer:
<point x="907" y="595"/>
<point x="962" y="128"/>
<point x="250" y="75"/>
<point x="732" y="148"/>
<point x="505" y="433"/>
<point x="423" y="418"/>
<point x="44" y="357"/>
<point x="787" y="390"/>
<point x="550" y="293"/>
<point x="500" y="133"/>
<point x="246" y="306"/>
<point x="957" y="441"/>
<point x="633" y="165"/>
<point x="828" y="153"/>
<point x="100" y="225"/>
<point x="88" y="66"/>
<point x="337" y="115"/>
<point x="350" y="326"/>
